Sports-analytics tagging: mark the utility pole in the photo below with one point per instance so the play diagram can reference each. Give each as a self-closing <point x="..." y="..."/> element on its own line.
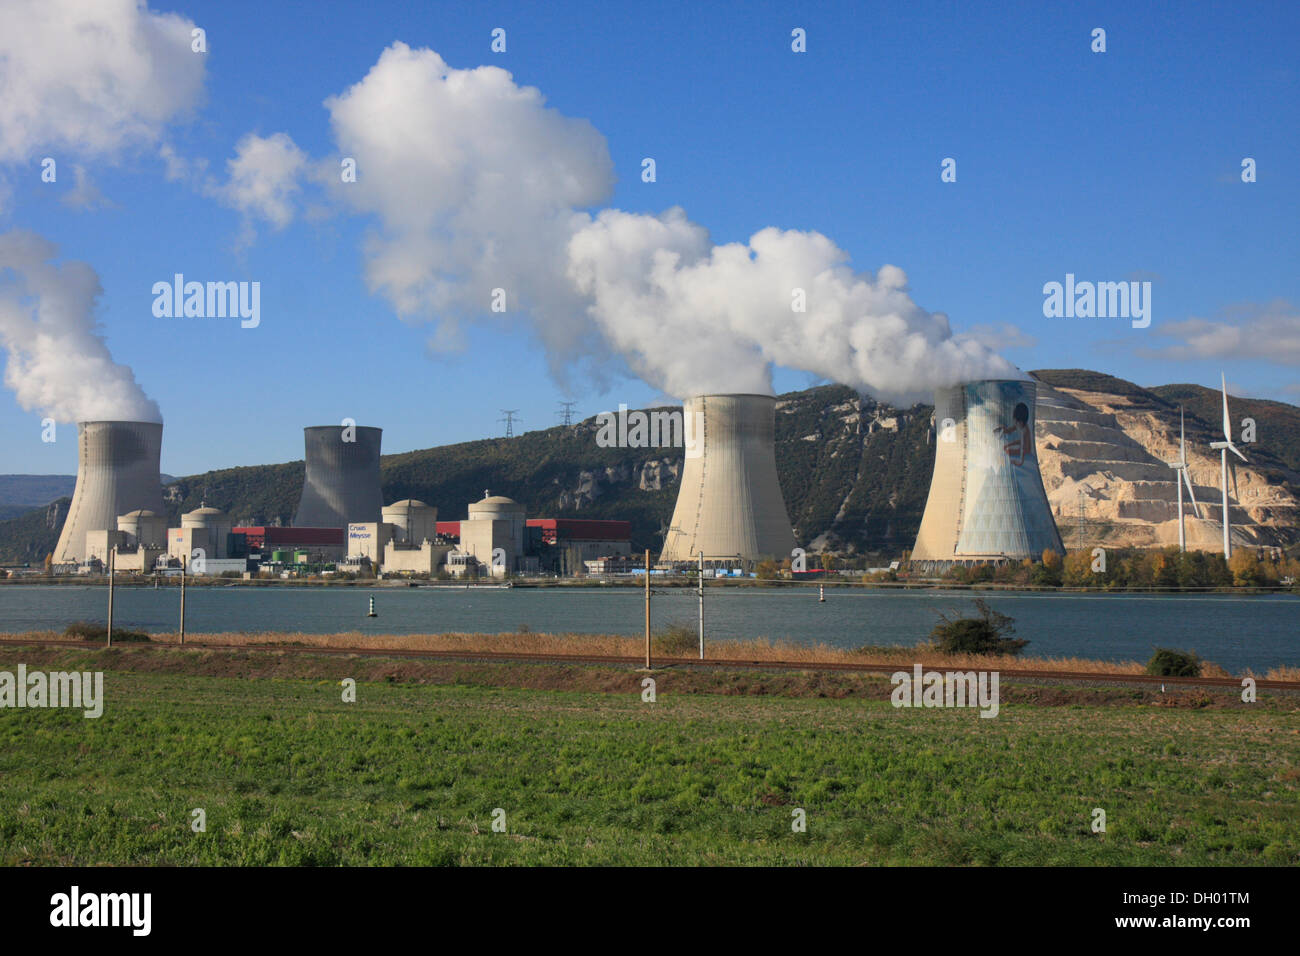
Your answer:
<point x="112" y="566"/>
<point x="567" y="414"/>
<point x="701" y="605"/>
<point x="511" y="416"/>
<point x="647" y="608"/>
<point x="182" y="603"/>
<point x="1080" y="520"/>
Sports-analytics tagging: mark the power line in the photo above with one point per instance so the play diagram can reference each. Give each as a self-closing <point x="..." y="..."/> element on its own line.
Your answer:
<point x="567" y="414"/>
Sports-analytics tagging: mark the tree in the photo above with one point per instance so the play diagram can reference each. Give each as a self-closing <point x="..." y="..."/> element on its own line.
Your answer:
<point x="1245" y="569"/>
<point x="1078" y="569"/>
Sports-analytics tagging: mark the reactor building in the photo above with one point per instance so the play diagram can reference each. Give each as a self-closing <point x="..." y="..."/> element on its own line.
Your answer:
<point x="729" y="506"/>
<point x="117" y="475"/>
<point x="987" y="503"/>
<point x="341" y="482"/>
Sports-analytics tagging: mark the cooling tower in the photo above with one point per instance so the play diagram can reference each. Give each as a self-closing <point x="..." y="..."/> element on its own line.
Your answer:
<point x="341" y="485"/>
<point x="117" y="473"/>
<point x="729" y="505"/>
<point x="987" y="502"/>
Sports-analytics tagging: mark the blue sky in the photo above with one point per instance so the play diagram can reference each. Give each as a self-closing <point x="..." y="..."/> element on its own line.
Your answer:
<point x="1111" y="166"/>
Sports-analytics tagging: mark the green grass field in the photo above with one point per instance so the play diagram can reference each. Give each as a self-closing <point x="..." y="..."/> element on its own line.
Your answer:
<point x="410" y="774"/>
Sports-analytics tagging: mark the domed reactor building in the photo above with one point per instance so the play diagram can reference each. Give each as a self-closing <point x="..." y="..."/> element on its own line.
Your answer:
<point x="987" y="503"/>
<point x="729" y="505"/>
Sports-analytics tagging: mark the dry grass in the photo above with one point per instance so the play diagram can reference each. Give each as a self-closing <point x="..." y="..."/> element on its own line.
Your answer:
<point x="1282" y="673"/>
<point x="615" y="645"/>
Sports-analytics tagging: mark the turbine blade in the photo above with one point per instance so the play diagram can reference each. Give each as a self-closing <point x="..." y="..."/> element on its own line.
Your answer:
<point x="1233" y="449"/>
<point x="1187" y="478"/>
<point x="1227" y="421"/>
<point x="1233" y="468"/>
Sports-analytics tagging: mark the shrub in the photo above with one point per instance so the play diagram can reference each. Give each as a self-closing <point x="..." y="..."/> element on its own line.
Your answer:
<point x="90" y="631"/>
<point x="676" y="641"/>
<point x="984" y="634"/>
<point x="1171" y="663"/>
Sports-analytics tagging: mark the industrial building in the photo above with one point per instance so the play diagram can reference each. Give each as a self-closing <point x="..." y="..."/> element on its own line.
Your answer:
<point x="294" y="545"/>
<point x="406" y="541"/>
<point x="494" y="534"/>
<point x="204" y="534"/>
<point x="341" y="477"/>
<point x="139" y="540"/>
<point x="729" y="506"/>
<point x="987" y="504"/>
<point x="564" y="546"/>
<point x="117" y="474"/>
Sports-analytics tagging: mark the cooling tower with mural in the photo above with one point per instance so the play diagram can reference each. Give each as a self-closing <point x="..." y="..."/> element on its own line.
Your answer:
<point x="987" y="502"/>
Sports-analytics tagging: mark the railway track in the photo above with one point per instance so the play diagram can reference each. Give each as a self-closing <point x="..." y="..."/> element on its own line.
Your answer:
<point x="686" y="662"/>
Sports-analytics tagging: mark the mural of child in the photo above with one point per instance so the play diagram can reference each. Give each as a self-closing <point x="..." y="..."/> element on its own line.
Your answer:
<point x="1022" y="443"/>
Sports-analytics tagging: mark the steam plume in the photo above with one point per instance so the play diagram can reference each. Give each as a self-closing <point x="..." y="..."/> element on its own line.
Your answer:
<point x="58" y="362"/>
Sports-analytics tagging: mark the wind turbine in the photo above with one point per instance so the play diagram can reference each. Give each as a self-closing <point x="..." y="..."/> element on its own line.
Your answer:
<point x="1224" y="447"/>
<point x="1180" y="466"/>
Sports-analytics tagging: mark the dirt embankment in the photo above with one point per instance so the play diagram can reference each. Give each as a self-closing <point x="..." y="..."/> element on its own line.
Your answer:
<point x="271" y="664"/>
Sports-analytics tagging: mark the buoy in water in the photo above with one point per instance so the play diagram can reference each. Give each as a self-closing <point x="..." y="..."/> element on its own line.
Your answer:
<point x="372" y="608"/>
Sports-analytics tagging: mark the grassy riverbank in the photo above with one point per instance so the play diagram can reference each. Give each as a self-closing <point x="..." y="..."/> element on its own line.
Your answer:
<point x="288" y="773"/>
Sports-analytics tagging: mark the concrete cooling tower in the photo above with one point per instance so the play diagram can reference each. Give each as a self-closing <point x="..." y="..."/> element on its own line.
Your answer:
<point x="729" y="505"/>
<point x="341" y="484"/>
<point x="987" y="502"/>
<point x="117" y="473"/>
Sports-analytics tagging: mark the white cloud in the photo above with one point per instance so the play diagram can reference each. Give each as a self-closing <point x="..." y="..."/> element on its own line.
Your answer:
<point x="84" y="195"/>
<point x="1269" y="331"/>
<point x="263" y="177"/>
<point x="91" y="76"/>
<point x="179" y="169"/>
<point x="473" y="181"/>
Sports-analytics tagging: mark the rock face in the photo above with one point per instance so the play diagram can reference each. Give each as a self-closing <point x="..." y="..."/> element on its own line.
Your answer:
<point x="1104" y="464"/>
<point x="589" y="484"/>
